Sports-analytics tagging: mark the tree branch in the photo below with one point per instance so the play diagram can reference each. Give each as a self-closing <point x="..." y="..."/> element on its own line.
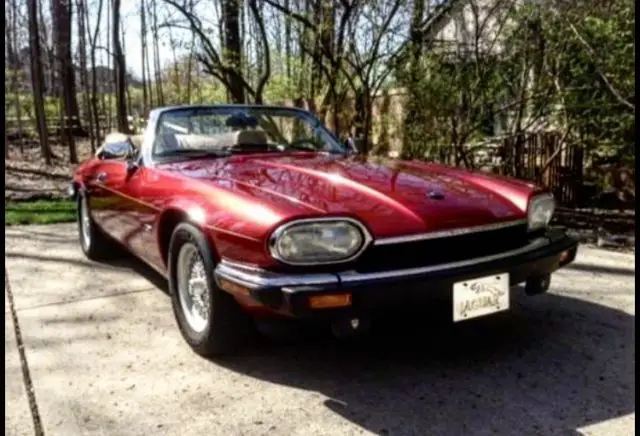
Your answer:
<point x="591" y="52"/>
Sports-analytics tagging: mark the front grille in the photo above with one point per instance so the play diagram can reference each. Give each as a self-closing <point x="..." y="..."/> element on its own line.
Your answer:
<point x="441" y="250"/>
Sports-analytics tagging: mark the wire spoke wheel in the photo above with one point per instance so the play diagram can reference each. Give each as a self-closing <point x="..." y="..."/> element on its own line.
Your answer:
<point x="85" y="222"/>
<point x="193" y="288"/>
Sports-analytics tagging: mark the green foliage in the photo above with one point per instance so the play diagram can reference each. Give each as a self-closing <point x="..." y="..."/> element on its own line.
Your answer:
<point x="573" y="67"/>
<point x="39" y="212"/>
<point x="595" y="61"/>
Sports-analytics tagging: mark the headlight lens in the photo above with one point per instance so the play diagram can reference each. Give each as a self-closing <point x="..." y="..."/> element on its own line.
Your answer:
<point x="317" y="242"/>
<point x="540" y="211"/>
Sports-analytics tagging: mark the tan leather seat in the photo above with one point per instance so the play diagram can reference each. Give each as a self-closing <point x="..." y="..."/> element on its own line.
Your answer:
<point x="222" y="140"/>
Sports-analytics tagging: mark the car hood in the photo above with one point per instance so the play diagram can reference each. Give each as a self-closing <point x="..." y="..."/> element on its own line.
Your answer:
<point x="394" y="198"/>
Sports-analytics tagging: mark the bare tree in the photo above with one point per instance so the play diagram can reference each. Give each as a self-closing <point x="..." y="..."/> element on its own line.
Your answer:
<point x="143" y="59"/>
<point x="190" y="60"/>
<point x="61" y="15"/>
<point x="37" y="79"/>
<point x="156" y="53"/>
<point x="120" y="71"/>
<point x="225" y="66"/>
<point x="93" y="43"/>
<point x="232" y="49"/>
<point x="84" y="79"/>
<point x="15" y="66"/>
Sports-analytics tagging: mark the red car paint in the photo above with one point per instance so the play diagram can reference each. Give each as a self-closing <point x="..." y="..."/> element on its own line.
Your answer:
<point x="239" y="200"/>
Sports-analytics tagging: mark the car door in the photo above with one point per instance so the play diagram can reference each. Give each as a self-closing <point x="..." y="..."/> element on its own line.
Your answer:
<point x="121" y="203"/>
<point x="144" y="194"/>
<point x="105" y="185"/>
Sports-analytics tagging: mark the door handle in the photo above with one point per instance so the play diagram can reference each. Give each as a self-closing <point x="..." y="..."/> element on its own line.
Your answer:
<point x="100" y="177"/>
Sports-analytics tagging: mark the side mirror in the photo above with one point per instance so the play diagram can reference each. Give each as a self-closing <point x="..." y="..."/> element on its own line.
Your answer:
<point x="132" y="165"/>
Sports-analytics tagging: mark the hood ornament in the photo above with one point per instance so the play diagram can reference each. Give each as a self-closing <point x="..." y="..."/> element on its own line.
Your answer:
<point x="434" y="195"/>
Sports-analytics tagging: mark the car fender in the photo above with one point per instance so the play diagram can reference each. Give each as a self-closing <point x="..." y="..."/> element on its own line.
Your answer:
<point x="182" y="210"/>
<point x="75" y="186"/>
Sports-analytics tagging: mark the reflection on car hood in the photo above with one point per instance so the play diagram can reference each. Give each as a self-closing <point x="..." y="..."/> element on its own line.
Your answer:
<point x="413" y="196"/>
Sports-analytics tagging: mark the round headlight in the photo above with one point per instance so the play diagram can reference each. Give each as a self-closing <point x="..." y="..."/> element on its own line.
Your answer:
<point x="312" y="242"/>
<point x="540" y="211"/>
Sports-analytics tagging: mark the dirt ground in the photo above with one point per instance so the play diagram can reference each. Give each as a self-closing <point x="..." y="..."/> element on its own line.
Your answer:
<point x="103" y="356"/>
<point x="26" y="176"/>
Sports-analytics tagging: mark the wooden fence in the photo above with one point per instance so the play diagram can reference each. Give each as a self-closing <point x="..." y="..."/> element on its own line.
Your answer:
<point x="543" y="157"/>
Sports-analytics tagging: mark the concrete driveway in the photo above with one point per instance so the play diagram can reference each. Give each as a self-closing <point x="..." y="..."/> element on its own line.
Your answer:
<point x="102" y="356"/>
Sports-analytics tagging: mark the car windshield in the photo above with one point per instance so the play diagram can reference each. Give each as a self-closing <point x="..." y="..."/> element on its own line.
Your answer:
<point x="224" y="130"/>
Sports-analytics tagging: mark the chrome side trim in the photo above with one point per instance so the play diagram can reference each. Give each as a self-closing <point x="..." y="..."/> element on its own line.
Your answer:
<point x="350" y="277"/>
<point x="252" y="277"/>
<point x="447" y="233"/>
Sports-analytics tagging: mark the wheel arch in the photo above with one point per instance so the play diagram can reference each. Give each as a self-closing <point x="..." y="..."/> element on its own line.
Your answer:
<point x="75" y="187"/>
<point x="169" y="219"/>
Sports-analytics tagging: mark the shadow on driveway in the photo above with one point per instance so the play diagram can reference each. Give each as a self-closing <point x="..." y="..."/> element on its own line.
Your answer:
<point x="550" y="366"/>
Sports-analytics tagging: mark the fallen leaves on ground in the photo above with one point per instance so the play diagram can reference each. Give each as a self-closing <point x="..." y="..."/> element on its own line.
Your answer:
<point x="27" y="177"/>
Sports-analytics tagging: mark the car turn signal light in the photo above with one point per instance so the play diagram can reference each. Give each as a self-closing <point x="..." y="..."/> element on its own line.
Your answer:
<point x="234" y="288"/>
<point x="329" y="301"/>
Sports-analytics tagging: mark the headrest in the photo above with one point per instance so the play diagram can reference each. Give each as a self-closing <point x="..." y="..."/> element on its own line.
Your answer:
<point x="223" y="140"/>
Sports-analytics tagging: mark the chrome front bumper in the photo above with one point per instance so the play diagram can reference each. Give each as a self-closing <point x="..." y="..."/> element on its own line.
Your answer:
<point x="290" y="293"/>
<point x="256" y="278"/>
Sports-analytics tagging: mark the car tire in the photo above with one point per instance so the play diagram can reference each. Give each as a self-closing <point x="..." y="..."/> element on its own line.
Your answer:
<point x="94" y="243"/>
<point x="218" y="325"/>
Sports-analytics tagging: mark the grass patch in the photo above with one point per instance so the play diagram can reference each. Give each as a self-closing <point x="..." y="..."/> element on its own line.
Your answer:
<point x="39" y="212"/>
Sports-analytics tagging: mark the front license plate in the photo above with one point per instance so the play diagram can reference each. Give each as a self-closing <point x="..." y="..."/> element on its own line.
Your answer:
<point x="481" y="296"/>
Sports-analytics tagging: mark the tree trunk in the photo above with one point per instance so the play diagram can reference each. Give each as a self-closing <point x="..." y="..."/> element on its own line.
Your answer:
<point x="106" y="103"/>
<point x="126" y="88"/>
<point x="61" y="10"/>
<point x="190" y="68"/>
<point x="304" y="37"/>
<point x="84" y="79"/>
<point x="156" y="56"/>
<point x="233" y="48"/>
<point x="15" y="69"/>
<point x="145" y="60"/>
<point x="50" y="84"/>
<point x="94" y="80"/>
<point x="326" y="44"/>
<point x="8" y="60"/>
<point x="37" y="79"/>
<point x="413" y="109"/>
<point x="120" y="71"/>
<point x="143" y="44"/>
<point x="287" y="43"/>
<point x="176" y="69"/>
<point x="363" y="120"/>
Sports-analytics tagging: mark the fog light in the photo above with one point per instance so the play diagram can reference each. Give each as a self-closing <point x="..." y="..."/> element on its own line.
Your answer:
<point x="564" y="256"/>
<point x="234" y="288"/>
<point x="329" y="301"/>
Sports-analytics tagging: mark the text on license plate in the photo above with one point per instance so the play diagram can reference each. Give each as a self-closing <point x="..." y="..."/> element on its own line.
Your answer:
<point x="481" y="296"/>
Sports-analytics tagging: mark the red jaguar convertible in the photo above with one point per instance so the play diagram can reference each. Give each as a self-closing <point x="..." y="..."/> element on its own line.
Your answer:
<point x="258" y="211"/>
